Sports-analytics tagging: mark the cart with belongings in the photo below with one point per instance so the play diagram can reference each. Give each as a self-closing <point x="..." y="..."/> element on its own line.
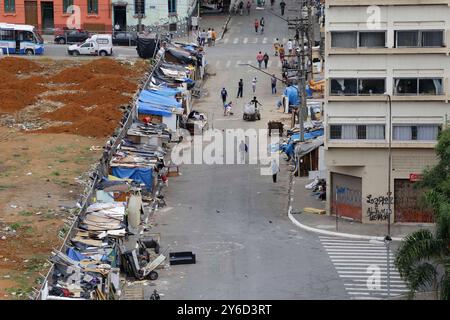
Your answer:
<point x="251" y="112"/>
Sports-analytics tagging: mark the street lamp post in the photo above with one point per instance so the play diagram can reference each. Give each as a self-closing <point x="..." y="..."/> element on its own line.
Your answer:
<point x="387" y="241"/>
<point x="389" y="163"/>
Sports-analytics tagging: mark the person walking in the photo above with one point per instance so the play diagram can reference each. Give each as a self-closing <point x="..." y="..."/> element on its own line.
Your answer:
<point x="274" y="169"/>
<point x="249" y="5"/>
<point x="259" y="58"/>
<point x="266" y="60"/>
<point x="290" y="46"/>
<point x="254" y="81"/>
<point x="281" y="52"/>
<point x="240" y="88"/>
<point x="262" y="23"/>
<point x="209" y="37"/>
<point x="256" y="25"/>
<point x="273" y="82"/>
<point x="272" y="2"/>
<point x="202" y="37"/>
<point x="276" y="46"/>
<point x="214" y="37"/>
<point x="224" y="95"/>
<point x="282" y="6"/>
<point x="243" y="149"/>
<point x="241" y="7"/>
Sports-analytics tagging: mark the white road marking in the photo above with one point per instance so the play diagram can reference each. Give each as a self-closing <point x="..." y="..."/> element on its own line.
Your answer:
<point x="236" y="40"/>
<point x="245" y="40"/>
<point x="228" y="64"/>
<point x="225" y="41"/>
<point x="264" y="40"/>
<point x="352" y="258"/>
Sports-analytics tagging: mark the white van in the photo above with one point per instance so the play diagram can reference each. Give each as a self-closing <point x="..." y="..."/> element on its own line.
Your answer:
<point x="98" y="44"/>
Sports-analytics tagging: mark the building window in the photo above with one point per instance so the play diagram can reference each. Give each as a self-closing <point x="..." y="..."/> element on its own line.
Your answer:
<point x="354" y="39"/>
<point x="344" y="39"/>
<point x="139" y="7"/>
<point x="92" y="6"/>
<point x="335" y="132"/>
<point x="172" y="5"/>
<point x="416" y="132"/>
<point x="372" y="39"/>
<point x="10" y="6"/>
<point x="66" y="5"/>
<point x="418" y="86"/>
<point x="357" y="87"/>
<point x="357" y="132"/>
<point x="419" y="38"/>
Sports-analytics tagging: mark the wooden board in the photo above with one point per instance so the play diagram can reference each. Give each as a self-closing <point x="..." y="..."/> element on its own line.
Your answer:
<point x="314" y="210"/>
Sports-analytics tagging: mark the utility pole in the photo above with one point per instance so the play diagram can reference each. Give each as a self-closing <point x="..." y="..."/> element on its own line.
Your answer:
<point x="310" y="36"/>
<point x="139" y="15"/>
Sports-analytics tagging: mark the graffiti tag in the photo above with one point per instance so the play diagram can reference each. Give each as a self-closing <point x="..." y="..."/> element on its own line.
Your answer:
<point x="378" y="210"/>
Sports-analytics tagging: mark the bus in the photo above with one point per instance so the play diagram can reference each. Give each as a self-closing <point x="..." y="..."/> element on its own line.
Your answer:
<point x="20" y="39"/>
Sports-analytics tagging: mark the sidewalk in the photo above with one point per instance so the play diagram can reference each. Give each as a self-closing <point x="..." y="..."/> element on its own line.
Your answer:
<point x="326" y="224"/>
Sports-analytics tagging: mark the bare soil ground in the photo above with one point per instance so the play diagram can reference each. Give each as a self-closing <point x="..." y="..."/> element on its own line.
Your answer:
<point x="51" y="114"/>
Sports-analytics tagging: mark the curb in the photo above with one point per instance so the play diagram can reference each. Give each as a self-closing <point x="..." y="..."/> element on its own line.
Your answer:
<point x="225" y="27"/>
<point x="335" y="234"/>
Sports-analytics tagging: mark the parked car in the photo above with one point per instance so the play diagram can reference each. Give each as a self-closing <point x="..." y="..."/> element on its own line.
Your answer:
<point x="98" y="44"/>
<point x="72" y="36"/>
<point x="124" y="39"/>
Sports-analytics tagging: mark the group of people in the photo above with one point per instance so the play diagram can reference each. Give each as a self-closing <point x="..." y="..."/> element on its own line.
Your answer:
<point x="241" y="5"/>
<point x="207" y="37"/>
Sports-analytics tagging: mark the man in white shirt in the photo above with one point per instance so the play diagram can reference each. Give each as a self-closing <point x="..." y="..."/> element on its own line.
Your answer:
<point x="209" y="37"/>
<point x="290" y="46"/>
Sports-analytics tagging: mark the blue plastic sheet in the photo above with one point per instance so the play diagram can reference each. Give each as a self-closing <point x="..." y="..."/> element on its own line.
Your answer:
<point x="140" y="175"/>
<point x="153" y="109"/>
<point x="292" y="93"/>
<point x="157" y="98"/>
<point x="75" y="254"/>
<point x="308" y="135"/>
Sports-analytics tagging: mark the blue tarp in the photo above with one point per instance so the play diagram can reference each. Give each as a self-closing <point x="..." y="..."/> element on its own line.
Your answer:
<point x="157" y="98"/>
<point x="154" y="109"/>
<point x="75" y="254"/>
<point x="164" y="91"/>
<point x="140" y="175"/>
<point x="308" y="135"/>
<point x="292" y="94"/>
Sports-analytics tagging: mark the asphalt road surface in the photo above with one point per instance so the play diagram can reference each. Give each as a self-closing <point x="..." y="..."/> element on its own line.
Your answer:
<point x="232" y="217"/>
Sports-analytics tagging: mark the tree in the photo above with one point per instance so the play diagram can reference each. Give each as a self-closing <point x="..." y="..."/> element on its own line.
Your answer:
<point x="423" y="258"/>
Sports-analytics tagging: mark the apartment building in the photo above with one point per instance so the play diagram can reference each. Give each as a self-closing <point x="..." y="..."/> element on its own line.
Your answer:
<point x="376" y="50"/>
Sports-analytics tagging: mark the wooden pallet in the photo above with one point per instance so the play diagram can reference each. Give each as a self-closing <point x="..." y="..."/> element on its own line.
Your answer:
<point x="132" y="293"/>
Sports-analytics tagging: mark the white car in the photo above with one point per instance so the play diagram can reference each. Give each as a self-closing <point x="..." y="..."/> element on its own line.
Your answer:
<point x="98" y="44"/>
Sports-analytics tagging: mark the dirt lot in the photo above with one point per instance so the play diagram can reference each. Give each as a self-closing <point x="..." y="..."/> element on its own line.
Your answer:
<point x="51" y="114"/>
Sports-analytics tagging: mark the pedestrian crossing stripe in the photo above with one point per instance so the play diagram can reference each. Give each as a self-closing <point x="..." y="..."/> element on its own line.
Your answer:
<point x="362" y="266"/>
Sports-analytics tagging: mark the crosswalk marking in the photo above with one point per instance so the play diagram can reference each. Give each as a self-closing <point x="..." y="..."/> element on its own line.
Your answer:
<point x="225" y="41"/>
<point x="245" y="40"/>
<point x="236" y="40"/>
<point x="362" y="266"/>
<point x="264" y="40"/>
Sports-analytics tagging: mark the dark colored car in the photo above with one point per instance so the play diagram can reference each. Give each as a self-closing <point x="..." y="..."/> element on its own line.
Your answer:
<point x="124" y="39"/>
<point x="72" y="36"/>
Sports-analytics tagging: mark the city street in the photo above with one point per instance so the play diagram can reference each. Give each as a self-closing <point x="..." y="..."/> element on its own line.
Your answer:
<point x="230" y="216"/>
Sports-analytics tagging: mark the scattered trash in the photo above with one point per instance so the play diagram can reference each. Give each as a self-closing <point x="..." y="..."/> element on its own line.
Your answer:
<point x="184" y="257"/>
<point x="29" y="174"/>
<point x="13" y="206"/>
<point x="3" y="238"/>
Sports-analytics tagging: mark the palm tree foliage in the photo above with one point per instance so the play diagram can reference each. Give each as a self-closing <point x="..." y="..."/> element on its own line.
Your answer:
<point x="423" y="258"/>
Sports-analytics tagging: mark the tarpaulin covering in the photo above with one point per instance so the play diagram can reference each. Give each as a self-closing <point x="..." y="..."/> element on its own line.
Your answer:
<point x="156" y="98"/>
<point x="153" y="109"/>
<point x="307" y="135"/>
<point x="140" y="175"/>
<point x="75" y="254"/>
<point x="302" y="149"/>
<point x="164" y="91"/>
<point x="292" y="93"/>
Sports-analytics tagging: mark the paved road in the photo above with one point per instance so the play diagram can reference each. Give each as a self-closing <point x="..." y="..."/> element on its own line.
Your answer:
<point x="232" y="217"/>
<point x="60" y="50"/>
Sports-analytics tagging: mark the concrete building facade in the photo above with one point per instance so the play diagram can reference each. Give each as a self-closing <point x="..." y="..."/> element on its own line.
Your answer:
<point x="376" y="49"/>
<point x="156" y="15"/>
<point x="46" y="15"/>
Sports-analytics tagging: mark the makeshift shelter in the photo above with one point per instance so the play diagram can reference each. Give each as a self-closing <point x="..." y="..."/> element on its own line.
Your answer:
<point x="140" y="175"/>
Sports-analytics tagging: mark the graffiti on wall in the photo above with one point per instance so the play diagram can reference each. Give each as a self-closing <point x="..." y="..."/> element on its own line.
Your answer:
<point x="377" y="209"/>
<point x="348" y="196"/>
